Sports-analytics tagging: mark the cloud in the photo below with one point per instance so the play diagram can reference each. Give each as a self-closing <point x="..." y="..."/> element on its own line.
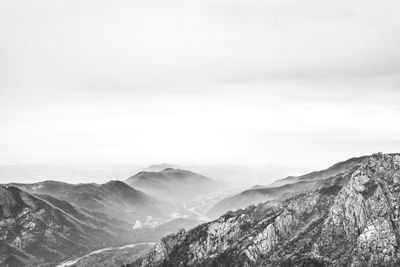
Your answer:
<point x="151" y="44"/>
<point x="202" y="81"/>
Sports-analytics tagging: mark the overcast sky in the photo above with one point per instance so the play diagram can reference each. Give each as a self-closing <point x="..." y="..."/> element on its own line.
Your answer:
<point x="299" y="83"/>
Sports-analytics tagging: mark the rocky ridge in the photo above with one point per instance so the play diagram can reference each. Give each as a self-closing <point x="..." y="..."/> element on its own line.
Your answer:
<point x="283" y="188"/>
<point x="351" y="222"/>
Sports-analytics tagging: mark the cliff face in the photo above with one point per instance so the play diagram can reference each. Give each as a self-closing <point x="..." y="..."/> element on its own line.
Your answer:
<point x="354" y="222"/>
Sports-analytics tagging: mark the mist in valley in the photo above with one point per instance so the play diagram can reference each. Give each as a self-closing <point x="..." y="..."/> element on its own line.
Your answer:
<point x="199" y="133"/>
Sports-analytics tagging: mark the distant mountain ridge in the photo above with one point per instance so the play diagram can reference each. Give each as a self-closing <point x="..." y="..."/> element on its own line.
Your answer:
<point x="114" y="198"/>
<point x="171" y="174"/>
<point x="284" y="188"/>
<point x="171" y="184"/>
<point x="159" y="167"/>
<point x="335" y="169"/>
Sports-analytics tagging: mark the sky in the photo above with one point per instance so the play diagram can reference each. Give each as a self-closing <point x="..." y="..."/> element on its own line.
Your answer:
<point x="246" y="82"/>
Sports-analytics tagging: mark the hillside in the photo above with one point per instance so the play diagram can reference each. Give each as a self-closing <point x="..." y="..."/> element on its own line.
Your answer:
<point x="114" y="198"/>
<point x="283" y="188"/>
<point x="41" y="229"/>
<point x="353" y="222"/>
<point x="172" y="184"/>
<point x="338" y="168"/>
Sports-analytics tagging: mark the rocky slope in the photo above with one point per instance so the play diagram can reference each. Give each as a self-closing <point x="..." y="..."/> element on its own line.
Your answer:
<point x="352" y="222"/>
<point x="37" y="230"/>
<point x="114" y="213"/>
<point x="283" y="188"/>
<point x="172" y="184"/>
<point x="121" y="255"/>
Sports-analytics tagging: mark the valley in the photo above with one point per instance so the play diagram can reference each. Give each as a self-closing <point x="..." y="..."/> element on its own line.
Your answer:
<point x="116" y="224"/>
<point x="92" y="257"/>
<point x="124" y="218"/>
<point x="351" y="220"/>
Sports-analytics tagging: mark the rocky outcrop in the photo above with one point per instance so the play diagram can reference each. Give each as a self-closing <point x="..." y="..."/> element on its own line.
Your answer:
<point x="353" y="221"/>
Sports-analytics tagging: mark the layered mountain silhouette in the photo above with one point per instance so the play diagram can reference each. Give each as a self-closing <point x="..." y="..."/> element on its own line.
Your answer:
<point x="283" y="188"/>
<point x="160" y="167"/>
<point x="172" y="184"/>
<point x="352" y="221"/>
<point x="338" y="168"/>
<point x="50" y="221"/>
<point x="114" y="198"/>
<point x="346" y="215"/>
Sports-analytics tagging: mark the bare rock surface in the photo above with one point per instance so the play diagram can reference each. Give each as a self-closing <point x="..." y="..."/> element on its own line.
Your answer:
<point x="352" y="222"/>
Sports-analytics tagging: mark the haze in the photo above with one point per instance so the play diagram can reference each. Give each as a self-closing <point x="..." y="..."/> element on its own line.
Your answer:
<point x="248" y="83"/>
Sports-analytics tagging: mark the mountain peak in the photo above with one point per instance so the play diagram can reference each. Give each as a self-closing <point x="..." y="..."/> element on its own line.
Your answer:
<point x="169" y="169"/>
<point x="159" y="167"/>
<point x="377" y="172"/>
<point x="115" y="183"/>
<point x="121" y="188"/>
<point x="168" y="173"/>
<point x="171" y="183"/>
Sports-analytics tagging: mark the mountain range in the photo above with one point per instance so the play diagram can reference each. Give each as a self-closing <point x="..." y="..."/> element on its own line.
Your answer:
<point x="346" y="215"/>
<point x="48" y="222"/>
<point x="352" y="221"/>
<point x="39" y="229"/>
<point x="171" y="184"/>
<point x="114" y="198"/>
<point x="283" y="188"/>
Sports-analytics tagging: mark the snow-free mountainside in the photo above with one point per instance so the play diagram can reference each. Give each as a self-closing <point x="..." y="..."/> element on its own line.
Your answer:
<point x="351" y="220"/>
<point x="50" y="222"/>
<point x="283" y="188"/>
<point x="346" y="215"/>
